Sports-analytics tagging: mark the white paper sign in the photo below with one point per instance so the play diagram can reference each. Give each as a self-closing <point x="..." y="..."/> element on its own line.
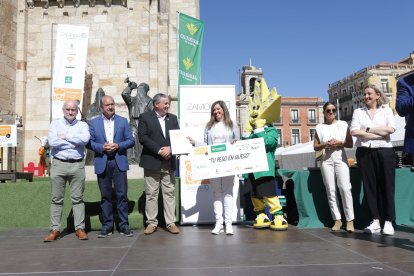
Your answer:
<point x="218" y="160"/>
<point x="179" y="142"/>
<point x="8" y="136"/>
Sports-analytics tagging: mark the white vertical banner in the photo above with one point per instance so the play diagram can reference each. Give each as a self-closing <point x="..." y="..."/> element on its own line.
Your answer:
<point x="69" y="66"/>
<point x="195" y="106"/>
<point x="8" y="136"/>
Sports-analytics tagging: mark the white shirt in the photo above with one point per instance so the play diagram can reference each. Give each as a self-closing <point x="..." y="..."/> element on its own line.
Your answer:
<point x="76" y="137"/>
<point x="361" y="120"/>
<point x="162" y="122"/>
<point x="219" y="133"/>
<point x="336" y="130"/>
<point x="109" y="128"/>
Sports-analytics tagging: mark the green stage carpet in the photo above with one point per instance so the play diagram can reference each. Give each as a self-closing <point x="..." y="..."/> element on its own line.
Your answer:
<point x="26" y="204"/>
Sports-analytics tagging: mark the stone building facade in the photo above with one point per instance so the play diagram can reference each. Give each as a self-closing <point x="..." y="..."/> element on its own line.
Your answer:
<point x="348" y="92"/>
<point x="298" y="120"/>
<point x="134" y="38"/>
<point x="299" y="116"/>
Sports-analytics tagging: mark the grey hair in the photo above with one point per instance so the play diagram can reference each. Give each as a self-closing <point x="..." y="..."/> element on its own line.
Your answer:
<point x="76" y="102"/>
<point x="157" y="98"/>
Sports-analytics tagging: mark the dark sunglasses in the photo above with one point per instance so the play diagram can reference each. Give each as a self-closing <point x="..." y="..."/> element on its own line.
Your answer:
<point x="330" y="110"/>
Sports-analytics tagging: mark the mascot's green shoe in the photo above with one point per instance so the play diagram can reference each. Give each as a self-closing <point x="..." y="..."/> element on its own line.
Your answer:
<point x="279" y="223"/>
<point x="262" y="221"/>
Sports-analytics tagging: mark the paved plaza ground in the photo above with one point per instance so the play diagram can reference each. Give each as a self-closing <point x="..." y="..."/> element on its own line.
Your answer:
<point x="196" y="252"/>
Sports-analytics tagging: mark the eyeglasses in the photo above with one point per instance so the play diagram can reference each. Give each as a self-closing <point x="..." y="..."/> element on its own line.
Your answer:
<point x="330" y="110"/>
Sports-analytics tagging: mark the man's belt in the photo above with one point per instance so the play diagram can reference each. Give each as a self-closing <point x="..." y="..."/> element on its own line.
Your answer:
<point x="69" y="160"/>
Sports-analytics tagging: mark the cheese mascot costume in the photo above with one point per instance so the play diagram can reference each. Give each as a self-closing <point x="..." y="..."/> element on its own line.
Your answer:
<point x="264" y="109"/>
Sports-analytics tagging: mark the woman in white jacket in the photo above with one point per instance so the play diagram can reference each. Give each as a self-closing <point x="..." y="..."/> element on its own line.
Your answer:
<point x="333" y="136"/>
<point x="221" y="129"/>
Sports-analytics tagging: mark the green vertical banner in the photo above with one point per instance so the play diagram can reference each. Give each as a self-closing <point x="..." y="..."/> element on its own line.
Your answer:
<point x="190" y="39"/>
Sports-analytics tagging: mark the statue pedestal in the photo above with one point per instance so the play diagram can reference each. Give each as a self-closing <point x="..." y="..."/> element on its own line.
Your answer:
<point x="135" y="172"/>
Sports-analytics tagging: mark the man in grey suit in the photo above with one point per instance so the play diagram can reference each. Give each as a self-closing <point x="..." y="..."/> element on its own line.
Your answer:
<point x="158" y="162"/>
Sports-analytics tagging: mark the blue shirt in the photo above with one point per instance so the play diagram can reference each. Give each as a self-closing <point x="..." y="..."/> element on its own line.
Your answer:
<point x="76" y="136"/>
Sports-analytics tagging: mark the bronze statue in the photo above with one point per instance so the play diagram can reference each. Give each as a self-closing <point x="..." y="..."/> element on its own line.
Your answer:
<point x="94" y="111"/>
<point x="137" y="104"/>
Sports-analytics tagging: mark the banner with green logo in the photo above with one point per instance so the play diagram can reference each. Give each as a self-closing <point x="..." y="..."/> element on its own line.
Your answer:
<point x="190" y="39"/>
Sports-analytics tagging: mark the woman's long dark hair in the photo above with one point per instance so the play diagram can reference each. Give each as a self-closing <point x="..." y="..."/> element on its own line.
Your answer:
<point x="227" y="120"/>
<point x="324" y="109"/>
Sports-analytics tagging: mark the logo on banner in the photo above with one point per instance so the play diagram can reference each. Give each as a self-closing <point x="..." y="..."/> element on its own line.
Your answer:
<point x="192" y="28"/>
<point x="68" y="79"/>
<point x="189" y="177"/>
<point x="187" y="63"/>
<point x="5" y="131"/>
<point x="218" y="148"/>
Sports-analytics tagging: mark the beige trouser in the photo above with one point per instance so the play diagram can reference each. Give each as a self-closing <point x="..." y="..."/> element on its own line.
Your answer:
<point x="154" y="180"/>
<point x="74" y="174"/>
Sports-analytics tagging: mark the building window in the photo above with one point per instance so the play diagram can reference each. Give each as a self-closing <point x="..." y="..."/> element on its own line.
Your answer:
<point x="343" y="93"/>
<point x="384" y="85"/>
<point x="280" y="119"/>
<point x="295" y="136"/>
<point x="312" y="134"/>
<point x="294" y="116"/>
<point x="335" y="97"/>
<point x="279" y="137"/>
<point x="351" y="91"/>
<point x="311" y="116"/>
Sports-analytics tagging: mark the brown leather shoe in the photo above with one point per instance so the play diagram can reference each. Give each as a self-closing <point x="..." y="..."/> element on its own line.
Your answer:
<point x="150" y="229"/>
<point x="52" y="236"/>
<point x="81" y="234"/>
<point x="173" y="229"/>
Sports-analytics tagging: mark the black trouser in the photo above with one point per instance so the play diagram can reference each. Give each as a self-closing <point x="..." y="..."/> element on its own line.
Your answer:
<point x="377" y="166"/>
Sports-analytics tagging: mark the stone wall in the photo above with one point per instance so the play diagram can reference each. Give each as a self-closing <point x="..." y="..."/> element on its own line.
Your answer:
<point x="138" y="41"/>
<point x="8" y="36"/>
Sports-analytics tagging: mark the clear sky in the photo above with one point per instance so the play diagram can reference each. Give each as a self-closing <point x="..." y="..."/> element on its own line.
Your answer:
<point x="301" y="45"/>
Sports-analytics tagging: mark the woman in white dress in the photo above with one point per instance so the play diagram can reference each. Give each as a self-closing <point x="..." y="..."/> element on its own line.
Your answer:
<point x="333" y="136"/>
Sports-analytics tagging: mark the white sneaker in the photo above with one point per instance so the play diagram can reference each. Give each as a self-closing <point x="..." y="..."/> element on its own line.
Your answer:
<point x="388" y="229"/>
<point x="217" y="229"/>
<point x="373" y="228"/>
<point x="229" y="229"/>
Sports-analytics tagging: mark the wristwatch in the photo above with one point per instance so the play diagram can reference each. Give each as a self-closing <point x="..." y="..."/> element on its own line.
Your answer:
<point x="367" y="130"/>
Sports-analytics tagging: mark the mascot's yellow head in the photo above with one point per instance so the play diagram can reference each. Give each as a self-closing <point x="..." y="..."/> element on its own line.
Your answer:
<point x="264" y="106"/>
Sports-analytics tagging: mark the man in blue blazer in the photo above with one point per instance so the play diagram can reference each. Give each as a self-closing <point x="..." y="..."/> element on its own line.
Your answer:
<point x="405" y="107"/>
<point x="110" y="139"/>
<point x="158" y="162"/>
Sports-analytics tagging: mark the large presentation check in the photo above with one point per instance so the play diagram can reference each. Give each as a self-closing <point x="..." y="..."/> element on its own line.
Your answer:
<point x="218" y="160"/>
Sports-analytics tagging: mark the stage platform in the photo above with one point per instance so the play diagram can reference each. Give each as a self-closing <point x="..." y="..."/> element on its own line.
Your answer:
<point x="196" y="252"/>
<point x="13" y="176"/>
